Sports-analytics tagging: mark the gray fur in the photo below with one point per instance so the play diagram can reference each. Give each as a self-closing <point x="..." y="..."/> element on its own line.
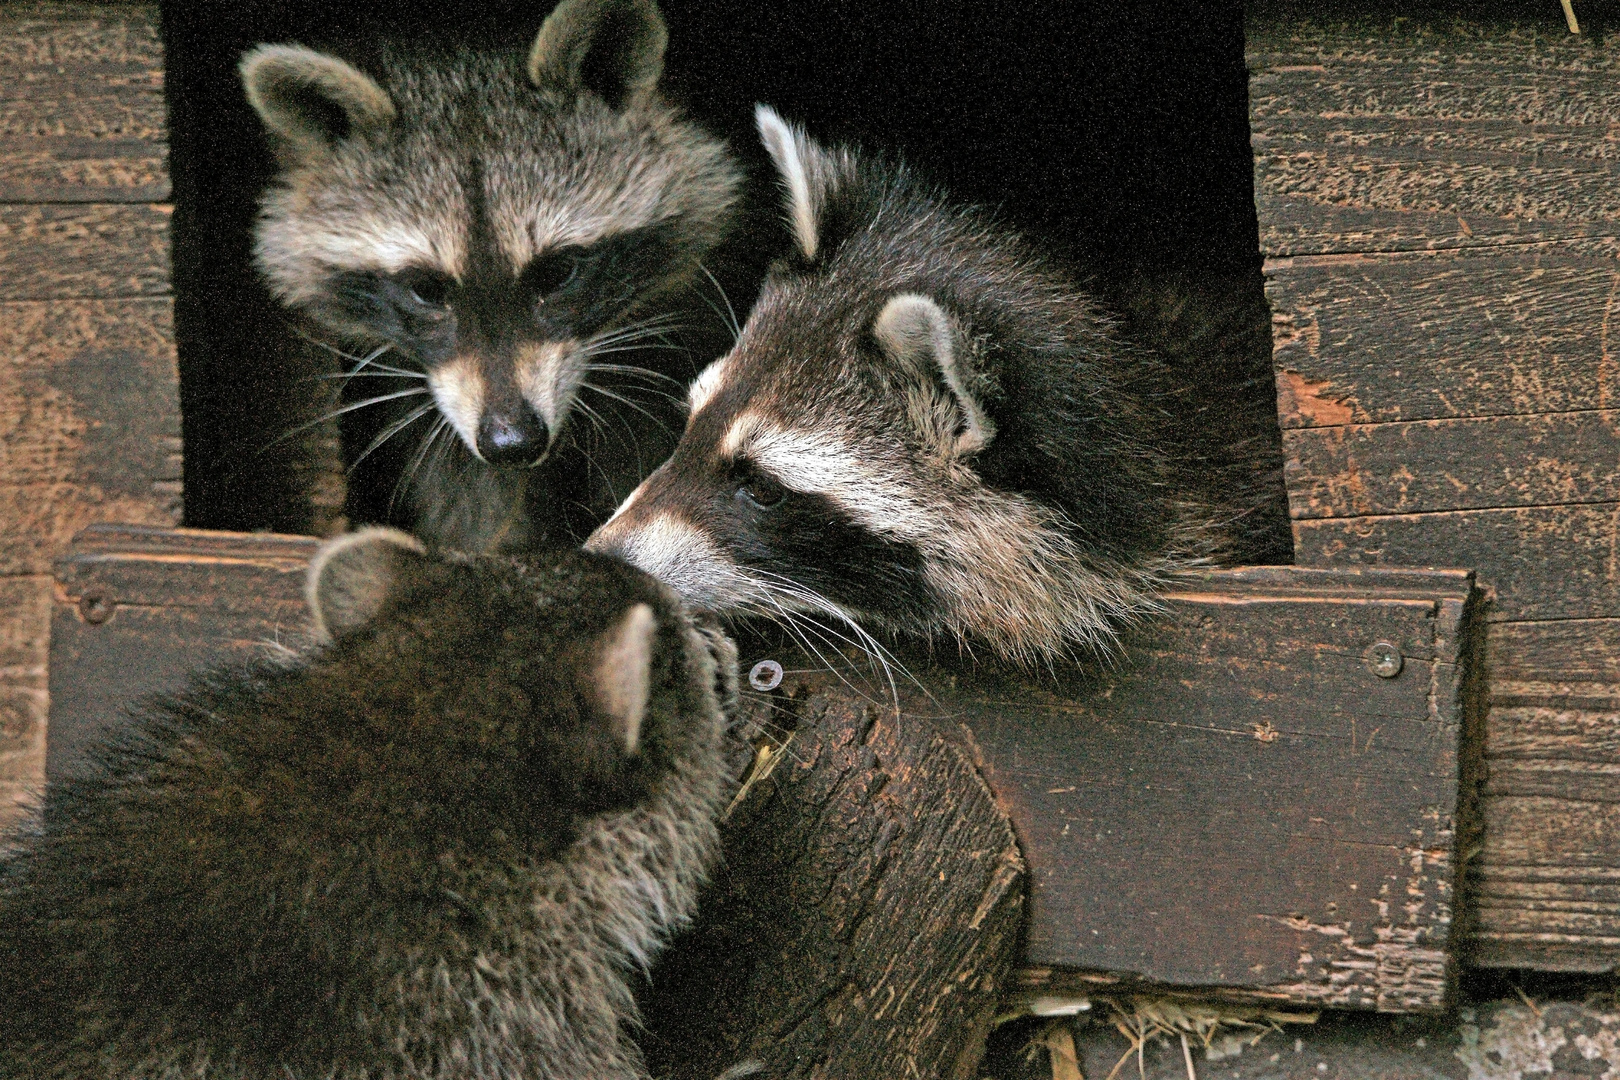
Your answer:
<point x="476" y="167"/>
<point x="924" y="427"/>
<point x="421" y="853"/>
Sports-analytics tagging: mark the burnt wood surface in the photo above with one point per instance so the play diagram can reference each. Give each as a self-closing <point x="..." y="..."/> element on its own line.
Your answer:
<point x="89" y="398"/>
<point x="1439" y="204"/>
<point x="1239" y="802"/>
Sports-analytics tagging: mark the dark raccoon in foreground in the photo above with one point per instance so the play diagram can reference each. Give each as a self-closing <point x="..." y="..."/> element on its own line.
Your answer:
<point x="926" y="427"/>
<point x="436" y="848"/>
<point x="502" y="243"/>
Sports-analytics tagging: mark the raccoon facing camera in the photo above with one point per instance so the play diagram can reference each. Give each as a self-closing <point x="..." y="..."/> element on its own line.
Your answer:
<point x="504" y="248"/>
<point x="437" y="846"/>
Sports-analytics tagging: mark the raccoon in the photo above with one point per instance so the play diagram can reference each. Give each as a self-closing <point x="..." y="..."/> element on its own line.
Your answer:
<point x="435" y="848"/>
<point x="925" y="427"/>
<point x="489" y="236"/>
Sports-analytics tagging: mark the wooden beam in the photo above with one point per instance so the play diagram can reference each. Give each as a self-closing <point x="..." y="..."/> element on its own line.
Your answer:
<point x="1255" y="798"/>
<point x="1438" y="210"/>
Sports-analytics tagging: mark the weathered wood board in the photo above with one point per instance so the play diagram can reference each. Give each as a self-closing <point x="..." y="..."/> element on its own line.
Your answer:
<point x="138" y="608"/>
<point x="1240" y="803"/>
<point x="1439" y="202"/>
<point x="89" y="399"/>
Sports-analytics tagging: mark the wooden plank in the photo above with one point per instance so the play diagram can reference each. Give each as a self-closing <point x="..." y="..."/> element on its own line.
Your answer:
<point x="1562" y="651"/>
<point x="1394" y="132"/>
<point x="89" y="402"/>
<point x="101" y="250"/>
<point x="138" y="608"/>
<point x="1467" y="464"/>
<point x="81" y="111"/>
<point x="1374" y="338"/>
<point x="1549" y="562"/>
<point x="1240" y="804"/>
<point x="89" y="423"/>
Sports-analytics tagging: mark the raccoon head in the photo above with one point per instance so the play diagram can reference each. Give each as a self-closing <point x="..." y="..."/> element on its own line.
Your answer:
<point x="845" y="459"/>
<point x="554" y="689"/>
<point x="495" y="220"/>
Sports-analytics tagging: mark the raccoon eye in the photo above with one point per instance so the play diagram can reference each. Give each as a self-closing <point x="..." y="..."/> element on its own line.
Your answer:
<point x="427" y="288"/>
<point x="762" y="491"/>
<point x="552" y="271"/>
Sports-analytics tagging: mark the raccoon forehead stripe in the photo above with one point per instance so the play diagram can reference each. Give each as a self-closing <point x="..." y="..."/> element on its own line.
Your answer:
<point x="385" y="246"/>
<point x="815" y="463"/>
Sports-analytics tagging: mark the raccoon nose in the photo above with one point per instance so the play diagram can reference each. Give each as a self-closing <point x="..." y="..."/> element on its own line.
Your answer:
<point x="519" y="438"/>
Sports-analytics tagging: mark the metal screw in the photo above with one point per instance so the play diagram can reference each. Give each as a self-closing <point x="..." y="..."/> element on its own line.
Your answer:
<point x="96" y="607"/>
<point x="1384" y="659"/>
<point x="766" y="675"/>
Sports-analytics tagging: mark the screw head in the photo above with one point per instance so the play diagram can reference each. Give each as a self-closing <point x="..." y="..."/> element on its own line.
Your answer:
<point x="1384" y="660"/>
<point x="96" y="607"/>
<point x="765" y="675"/>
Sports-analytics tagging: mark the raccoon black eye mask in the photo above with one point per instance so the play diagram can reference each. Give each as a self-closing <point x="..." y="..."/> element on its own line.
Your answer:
<point x="925" y="427"/>
<point x="437" y="847"/>
<point x="493" y="224"/>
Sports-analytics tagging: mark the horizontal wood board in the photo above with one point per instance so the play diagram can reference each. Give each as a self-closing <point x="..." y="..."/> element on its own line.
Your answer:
<point x="1439" y="205"/>
<point x="1241" y="804"/>
<point x="89" y="395"/>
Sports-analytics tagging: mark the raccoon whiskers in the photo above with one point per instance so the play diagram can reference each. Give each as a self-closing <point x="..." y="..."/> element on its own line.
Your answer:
<point x="393" y="429"/>
<point x="621" y="399"/>
<point x="440" y="426"/>
<point x="729" y="317"/>
<point x="335" y="413"/>
<point x="772" y="586"/>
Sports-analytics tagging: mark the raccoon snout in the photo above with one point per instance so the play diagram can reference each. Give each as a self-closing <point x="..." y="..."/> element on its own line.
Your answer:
<point x="516" y="438"/>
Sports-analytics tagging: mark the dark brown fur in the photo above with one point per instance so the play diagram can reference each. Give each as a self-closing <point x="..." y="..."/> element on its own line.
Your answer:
<point x="423" y="852"/>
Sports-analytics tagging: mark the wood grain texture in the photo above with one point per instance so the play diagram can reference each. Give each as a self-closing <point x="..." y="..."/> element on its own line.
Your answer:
<point x="173" y="600"/>
<point x="89" y="423"/>
<point x="81" y="108"/>
<point x="1469" y="464"/>
<point x="89" y="404"/>
<point x="99" y="250"/>
<point x="1439" y="208"/>
<point x="1248" y="748"/>
<point x="1374" y="338"/>
<point x="1387" y="133"/>
<point x="1546" y="562"/>
<point x="868" y="914"/>
<point x="1241" y="804"/>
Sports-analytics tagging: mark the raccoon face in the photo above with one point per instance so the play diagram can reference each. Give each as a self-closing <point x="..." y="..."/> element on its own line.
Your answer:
<point x="496" y="224"/>
<point x="549" y="691"/>
<point x="818" y="469"/>
<point x="843" y="460"/>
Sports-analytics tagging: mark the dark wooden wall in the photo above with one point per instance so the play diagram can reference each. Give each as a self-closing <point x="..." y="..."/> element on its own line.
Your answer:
<point x="1438" y="200"/>
<point x="89" y="409"/>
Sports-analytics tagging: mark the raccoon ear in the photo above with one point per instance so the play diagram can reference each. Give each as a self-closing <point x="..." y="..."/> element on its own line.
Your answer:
<point x="312" y="101"/>
<point x="915" y="332"/>
<point x="808" y="172"/>
<point x="612" y="48"/>
<point x="621" y="674"/>
<point x="352" y="576"/>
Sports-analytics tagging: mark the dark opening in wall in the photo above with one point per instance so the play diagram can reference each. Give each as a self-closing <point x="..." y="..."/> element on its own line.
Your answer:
<point x="1115" y="134"/>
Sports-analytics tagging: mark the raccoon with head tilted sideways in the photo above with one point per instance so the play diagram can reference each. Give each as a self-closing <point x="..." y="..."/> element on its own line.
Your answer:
<point x="923" y="427"/>
<point x="438" y="847"/>
<point x="490" y="236"/>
